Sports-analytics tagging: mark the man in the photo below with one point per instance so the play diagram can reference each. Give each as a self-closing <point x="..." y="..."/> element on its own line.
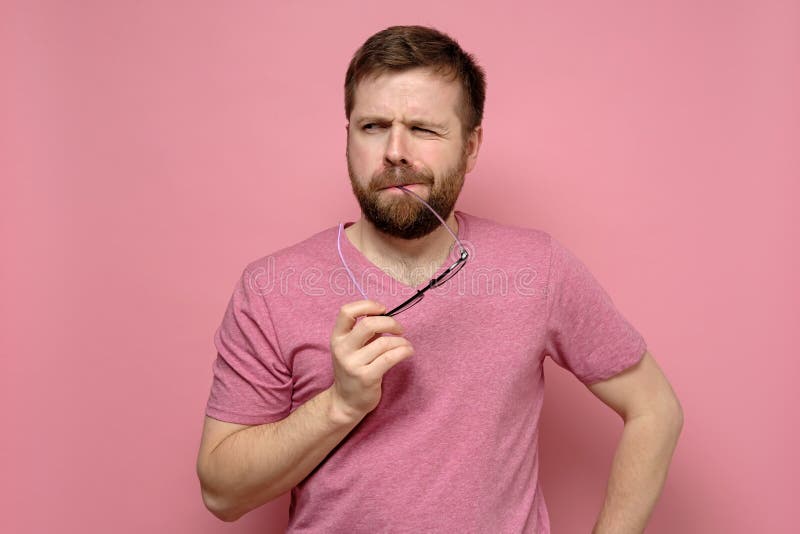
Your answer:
<point x="397" y="413"/>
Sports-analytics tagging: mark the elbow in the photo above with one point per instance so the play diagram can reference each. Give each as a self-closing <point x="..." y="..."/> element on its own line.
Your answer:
<point x="229" y="508"/>
<point x="679" y="417"/>
<point x="679" y="420"/>
<point x="672" y="418"/>
<point x="219" y="508"/>
<point x="215" y="501"/>
<point x="676" y="414"/>
<point x="228" y="501"/>
<point x="667" y="417"/>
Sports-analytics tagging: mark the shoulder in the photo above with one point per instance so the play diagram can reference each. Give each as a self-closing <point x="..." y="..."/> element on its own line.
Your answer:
<point x="313" y="251"/>
<point x="507" y="238"/>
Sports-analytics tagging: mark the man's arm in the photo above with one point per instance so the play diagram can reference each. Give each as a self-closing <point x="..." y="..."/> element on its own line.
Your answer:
<point x="241" y="467"/>
<point x="653" y="417"/>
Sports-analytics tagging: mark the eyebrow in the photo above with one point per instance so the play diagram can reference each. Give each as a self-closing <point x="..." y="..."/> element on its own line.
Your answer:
<point x="411" y="122"/>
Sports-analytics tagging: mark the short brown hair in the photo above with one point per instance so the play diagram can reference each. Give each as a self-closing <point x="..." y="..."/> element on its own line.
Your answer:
<point x="400" y="48"/>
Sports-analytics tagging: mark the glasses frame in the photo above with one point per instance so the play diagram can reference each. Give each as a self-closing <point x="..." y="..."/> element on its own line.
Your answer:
<point x="435" y="282"/>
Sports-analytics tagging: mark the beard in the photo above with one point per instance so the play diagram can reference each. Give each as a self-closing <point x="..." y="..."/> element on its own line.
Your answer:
<point x="403" y="215"/>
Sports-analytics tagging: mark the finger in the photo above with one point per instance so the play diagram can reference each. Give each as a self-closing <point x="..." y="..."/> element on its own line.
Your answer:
<point x="387" y="360"/>
<point x="369" y="328"/>
<point x="369" y="352"/>
<point x="349" y="313"/>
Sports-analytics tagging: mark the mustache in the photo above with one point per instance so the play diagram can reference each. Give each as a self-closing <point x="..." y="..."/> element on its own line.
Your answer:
<point x="394" y="176"/>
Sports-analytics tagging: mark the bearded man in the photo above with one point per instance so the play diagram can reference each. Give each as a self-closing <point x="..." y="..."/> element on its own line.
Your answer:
<point x="383" y="411"/>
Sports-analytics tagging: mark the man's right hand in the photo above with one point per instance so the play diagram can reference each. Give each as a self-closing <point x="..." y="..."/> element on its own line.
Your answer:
<point x="362" y="355"/>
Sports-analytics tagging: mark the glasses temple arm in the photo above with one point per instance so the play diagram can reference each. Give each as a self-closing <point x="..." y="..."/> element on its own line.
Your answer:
<point x="405" y="190"/>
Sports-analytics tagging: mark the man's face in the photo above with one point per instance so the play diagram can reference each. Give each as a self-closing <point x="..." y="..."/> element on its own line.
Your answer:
<point x="405" y="129"/>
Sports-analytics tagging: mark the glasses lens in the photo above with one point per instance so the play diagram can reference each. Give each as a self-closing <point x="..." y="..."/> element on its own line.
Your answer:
<point x="447" y="275"/>
<point x="406" y="305"/>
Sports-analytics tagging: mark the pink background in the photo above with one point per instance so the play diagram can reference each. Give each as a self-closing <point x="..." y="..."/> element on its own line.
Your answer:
<point x="148" y="150"/>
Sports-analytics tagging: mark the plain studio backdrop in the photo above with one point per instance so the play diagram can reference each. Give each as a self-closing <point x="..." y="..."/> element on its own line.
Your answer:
<point x="149" y="150"/>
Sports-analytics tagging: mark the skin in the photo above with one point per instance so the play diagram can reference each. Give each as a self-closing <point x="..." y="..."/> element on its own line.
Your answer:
<point x="241" y="467"/>
<point x="653" y="419"/>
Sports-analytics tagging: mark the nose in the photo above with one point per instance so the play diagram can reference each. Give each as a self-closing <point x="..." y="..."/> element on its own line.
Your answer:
<point x="397" y="148"/>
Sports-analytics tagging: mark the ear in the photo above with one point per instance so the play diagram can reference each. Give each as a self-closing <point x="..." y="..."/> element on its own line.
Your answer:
<point x="473" y="146"/>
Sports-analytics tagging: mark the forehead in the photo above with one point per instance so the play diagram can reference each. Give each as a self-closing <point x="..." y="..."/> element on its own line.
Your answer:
<point x="413" y="92"/>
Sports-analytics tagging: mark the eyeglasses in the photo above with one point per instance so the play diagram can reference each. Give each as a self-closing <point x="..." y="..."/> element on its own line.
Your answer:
<point x="435" y="282"/>
<point x="438" y="281"/>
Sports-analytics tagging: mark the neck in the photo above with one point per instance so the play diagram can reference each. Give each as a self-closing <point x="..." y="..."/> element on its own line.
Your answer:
<point x="387" y="250"/>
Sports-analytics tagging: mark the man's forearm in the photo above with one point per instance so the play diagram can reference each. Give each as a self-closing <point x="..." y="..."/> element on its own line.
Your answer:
<point x="257" y="464"/>
<point x="638" y="473"/>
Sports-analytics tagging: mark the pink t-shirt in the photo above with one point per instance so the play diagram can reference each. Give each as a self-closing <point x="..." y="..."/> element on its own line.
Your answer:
<point x="453" y="444"/>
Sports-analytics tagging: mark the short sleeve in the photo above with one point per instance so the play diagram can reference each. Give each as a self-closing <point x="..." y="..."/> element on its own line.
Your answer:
<point x="586" y="334"/>
<point x="251" y="383"/>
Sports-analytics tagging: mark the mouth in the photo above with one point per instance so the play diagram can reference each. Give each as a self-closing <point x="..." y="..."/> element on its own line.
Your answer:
<point x="397" y="187"/>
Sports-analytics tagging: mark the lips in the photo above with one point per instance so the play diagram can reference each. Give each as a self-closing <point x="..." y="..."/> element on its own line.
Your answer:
<point x="404" y="185"/>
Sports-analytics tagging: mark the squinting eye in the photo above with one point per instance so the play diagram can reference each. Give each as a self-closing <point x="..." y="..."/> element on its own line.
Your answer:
<point x="423" y="130"/>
